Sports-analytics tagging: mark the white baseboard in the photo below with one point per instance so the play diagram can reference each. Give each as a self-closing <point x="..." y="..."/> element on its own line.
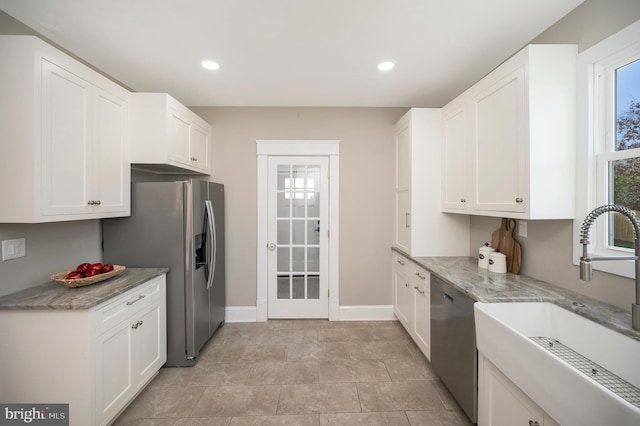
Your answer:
<point x="240" y="314"/>
<point x="367" y="313"/>
<point x="347" y="313"/>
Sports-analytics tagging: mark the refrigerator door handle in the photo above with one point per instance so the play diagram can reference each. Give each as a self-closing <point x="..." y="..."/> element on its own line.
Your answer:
<point x="211" y="223"/>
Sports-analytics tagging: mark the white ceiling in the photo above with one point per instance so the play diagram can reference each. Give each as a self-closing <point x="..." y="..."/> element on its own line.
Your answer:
<point x="294" y="52"/>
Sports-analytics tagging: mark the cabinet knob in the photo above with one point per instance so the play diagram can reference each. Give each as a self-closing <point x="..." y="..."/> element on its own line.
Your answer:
<point x="519" y="200"/>
<point x="463" y="200"/>
<point x="407" y="285"/>
<point x="194" y="158"/>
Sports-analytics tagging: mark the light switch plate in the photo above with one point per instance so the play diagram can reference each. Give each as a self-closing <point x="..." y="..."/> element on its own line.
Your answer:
<point x="13" y="249"/>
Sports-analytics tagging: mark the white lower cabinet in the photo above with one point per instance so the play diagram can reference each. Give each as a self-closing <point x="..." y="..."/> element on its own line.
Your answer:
<point x="502" y="403"/>
<point x="411" y="300"/>
<point x="96" y="360"/>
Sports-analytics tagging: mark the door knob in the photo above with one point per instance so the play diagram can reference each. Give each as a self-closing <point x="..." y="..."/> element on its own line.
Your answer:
<point x="272" y="246"/>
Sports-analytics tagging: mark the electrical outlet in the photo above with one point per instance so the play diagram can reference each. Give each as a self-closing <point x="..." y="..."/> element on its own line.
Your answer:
<point x="522" y="228"/>
<point x="13" y="249"/>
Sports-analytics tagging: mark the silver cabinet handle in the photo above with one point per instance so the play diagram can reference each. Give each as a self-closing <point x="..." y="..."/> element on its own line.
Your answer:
<point x="462" y="200"/>
<point x="519" y="200"/>
<point x="422" y="277"/>
<point x="407" y="220"/>
<point x="137" y="324"/>
<point x="134" y="301"/>
<point x="406" y="285"/>
<point x="533" y="423"/>
<point x="419" y="290"/>
<point x="94" y="202"/>
<point x="194" y="158"/>
<point x="400" y="262"/>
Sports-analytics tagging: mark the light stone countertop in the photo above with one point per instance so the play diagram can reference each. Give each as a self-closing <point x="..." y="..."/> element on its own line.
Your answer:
<point x="463" y="273"/>
<point x="52" y="295"/>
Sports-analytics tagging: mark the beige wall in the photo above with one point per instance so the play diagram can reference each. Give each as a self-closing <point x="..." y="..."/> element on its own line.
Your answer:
<point x="366" y="190"/>
<point x="547" y="251"/>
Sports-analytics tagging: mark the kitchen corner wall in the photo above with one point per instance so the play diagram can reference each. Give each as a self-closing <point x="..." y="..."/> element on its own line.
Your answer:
<point x="366" y="190"/>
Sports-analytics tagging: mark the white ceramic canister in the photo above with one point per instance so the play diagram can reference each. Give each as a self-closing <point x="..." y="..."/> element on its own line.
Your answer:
<point x="483" y="255"/>
<point x="498" y="263"/>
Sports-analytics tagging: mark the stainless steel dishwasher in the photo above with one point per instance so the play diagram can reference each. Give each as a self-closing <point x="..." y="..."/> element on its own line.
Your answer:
<point x="454" y="356"/>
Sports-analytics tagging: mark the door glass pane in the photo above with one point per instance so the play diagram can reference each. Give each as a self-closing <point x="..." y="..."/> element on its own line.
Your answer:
<point x="298" y="259"/>
<point x="298" y="204"/>
<point x="313" y="231"/>
<point x="284" y="202"/>
<point x="283" y="176"/>
<point x="283" y="232"/>
<point x="624" y="180"/>
<point x="298" y="231"/>
<point x="298" y="287"/>
<point x="313" y="179"/>
<point x="313" y="204"/>
<point x="283" y="259"/>
<point x="313" y="287"/>
<point x="283" y="287"/>
<point x="313" y="259"/>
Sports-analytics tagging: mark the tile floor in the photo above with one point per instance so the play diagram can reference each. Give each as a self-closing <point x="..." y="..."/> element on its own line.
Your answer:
<point x="300" y="372"/>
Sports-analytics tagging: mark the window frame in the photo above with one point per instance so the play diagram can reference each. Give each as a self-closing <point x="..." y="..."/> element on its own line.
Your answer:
<point x="596" y="141"/>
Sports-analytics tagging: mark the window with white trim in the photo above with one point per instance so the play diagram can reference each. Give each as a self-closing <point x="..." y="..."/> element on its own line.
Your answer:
<point x="609" y="144"/>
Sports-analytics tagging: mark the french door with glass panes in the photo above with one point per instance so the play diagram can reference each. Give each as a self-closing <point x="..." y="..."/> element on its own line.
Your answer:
<point x="298" y="237"/>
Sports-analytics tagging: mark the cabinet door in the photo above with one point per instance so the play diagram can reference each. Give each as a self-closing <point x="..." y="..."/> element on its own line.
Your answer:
<point x="498" y="143"/>
<point x="199" y="147"/>
<point x="114" y="371"/>
<point x="149" y="342"/>
<point x="455" y="157"/>
<point x="110" y="156"/>
<point x="403" y="157"/>
<point x="403" y="307"/>
<point x="403" y="220"/>
<point x="422" y="323"/>
<point x="66" y="151"/>
<point x="502" y="403"/>
<point x="178" y="128"/>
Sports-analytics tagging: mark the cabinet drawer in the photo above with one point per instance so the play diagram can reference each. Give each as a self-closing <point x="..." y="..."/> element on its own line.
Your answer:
<point x="402" y="264"/>
<point x="420" y="276"/>
<point x="113" y="312"/>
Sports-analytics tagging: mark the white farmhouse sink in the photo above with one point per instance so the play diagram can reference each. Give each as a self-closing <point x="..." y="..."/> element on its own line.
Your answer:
<point x="503" y="335"/>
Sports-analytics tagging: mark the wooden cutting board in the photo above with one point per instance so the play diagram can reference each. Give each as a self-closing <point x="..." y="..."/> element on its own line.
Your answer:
<point x="503" y="241"/>
<point x="498" y="234"/>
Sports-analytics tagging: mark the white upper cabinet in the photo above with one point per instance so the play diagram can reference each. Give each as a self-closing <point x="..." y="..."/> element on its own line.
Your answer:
<point x="421" y="229"/>
<point x="518" y="126"/>
<point x="167" y="137"/>
<point x="64" y="137"/>
<point x="455" y="155"/>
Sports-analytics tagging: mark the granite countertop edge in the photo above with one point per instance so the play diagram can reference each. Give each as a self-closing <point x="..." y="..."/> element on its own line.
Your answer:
<point x="53" y="296"/>
<point x="463" y="273"/>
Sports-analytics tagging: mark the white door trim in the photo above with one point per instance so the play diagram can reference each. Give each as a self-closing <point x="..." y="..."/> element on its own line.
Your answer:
<point x="331" y="149"/>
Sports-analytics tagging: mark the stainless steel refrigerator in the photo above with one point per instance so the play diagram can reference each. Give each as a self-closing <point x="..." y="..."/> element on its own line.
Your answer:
<point x="179" y="225"/>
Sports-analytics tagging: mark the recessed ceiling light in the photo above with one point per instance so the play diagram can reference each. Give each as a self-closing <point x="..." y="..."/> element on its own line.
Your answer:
<point x="386" y="66"/>
<point x="210" y="65"/>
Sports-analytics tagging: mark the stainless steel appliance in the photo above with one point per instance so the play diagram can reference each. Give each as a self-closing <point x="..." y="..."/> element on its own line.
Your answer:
<point x="179" y="225"/>
<point x="454" y="356"/>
